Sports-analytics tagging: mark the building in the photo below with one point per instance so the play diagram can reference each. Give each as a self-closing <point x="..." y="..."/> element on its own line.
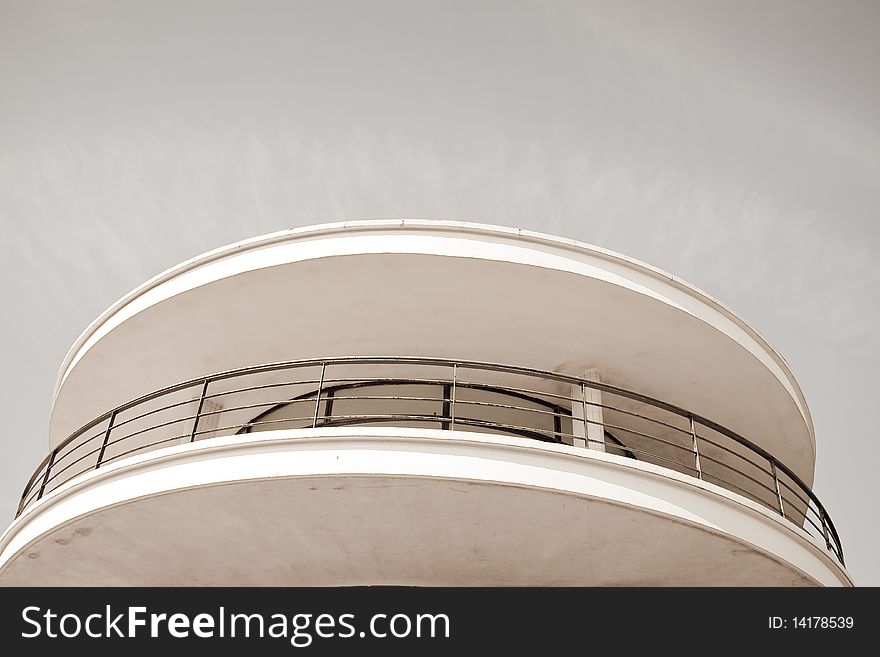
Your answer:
<point x="422" y="403"/>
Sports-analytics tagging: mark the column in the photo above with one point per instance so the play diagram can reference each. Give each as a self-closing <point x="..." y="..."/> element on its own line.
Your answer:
<point x="587" y="423"/>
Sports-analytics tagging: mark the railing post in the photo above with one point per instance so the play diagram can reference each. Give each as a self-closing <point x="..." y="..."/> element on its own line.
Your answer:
<point x="594" y="416"/>
<point x="825" y="529"/>
<point x="328" y="406"/>
<point x="192" y="436"/>
<point x="318" y="396"/>
<point x="697" y="465"/>
<point x="452" y="406"/>
<point x="106" y="440"/>
<point x="445" y="410"/>
<point x="46" y="474"/>
<point x="778" y="489"/>
<point x="578" y="415"/>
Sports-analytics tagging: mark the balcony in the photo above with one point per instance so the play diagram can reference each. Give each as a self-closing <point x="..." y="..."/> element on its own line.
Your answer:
<point x="444" y="395"/>
<point x="521" y="441"/>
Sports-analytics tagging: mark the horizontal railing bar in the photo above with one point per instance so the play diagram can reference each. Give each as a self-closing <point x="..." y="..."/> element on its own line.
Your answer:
<point x="458" y="419"/>
<point x="252" y="424"/>
<point x="265" y="386"/>
<point x="518" y="391"/>
<point x="135" y="402"/>
<point x="797" y="492"/>
<point x="284" y="403"/>
<point x="34" y="492"/>
<point x="72" y="463"/>
<point x="739" y="472"/>
<point x="304" y="419"/>
<point x="140" y="447"/>
<point x="815" y="526"/>
<point x="549" y="433"/>
<point x="590" y="404"/>
<point x="471" y="385"/>
<point x="608" y="407"/>
<point x="429" y="362"/>
<point x="269" y="367"/>
<point x="38" y="474"/>
<point x="402" y="418"/>
<point x="791" y="509"/>
<point x="153" y="428"/>
<point x="769" y="473"/>
<point x="337" y="398"/>
<point x="616" y="409"/>
<point x="359" y="381"/>
<point x="686" y="448"/>
<point x="232" y="409"/>
<point x="371" y="360"/>
<point x="60" y="457"/>
<point x="161" y="409"/>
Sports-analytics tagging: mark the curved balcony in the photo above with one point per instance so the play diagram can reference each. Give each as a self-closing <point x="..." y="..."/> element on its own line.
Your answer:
<point x="439" y="394"/>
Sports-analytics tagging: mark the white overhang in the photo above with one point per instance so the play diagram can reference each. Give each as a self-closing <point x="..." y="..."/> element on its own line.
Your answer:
<point x="401" y="506"/>
<point x="438" y="289"/>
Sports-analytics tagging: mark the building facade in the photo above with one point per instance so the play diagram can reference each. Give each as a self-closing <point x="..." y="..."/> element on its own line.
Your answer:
<point x="422" y="403"/>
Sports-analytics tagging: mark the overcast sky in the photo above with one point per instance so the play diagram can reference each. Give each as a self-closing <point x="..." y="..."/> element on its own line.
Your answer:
<point x="735" y="144"/>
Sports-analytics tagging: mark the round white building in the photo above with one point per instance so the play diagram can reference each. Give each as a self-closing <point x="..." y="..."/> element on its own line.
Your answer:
<point x="422" y="403"/>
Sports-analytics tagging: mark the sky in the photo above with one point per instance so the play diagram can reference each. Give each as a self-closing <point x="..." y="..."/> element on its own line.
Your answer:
<point x="734" y="144"/>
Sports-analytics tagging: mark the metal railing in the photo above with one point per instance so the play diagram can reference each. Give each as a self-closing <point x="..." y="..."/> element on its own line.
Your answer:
<point x="443" y="394"/>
